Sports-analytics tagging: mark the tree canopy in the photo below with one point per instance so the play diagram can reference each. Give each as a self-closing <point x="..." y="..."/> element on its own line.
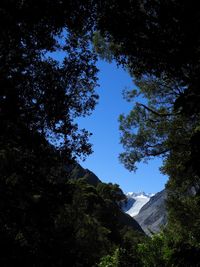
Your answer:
<point x="158" y="43"/>
<point x="37" y="89"/>
<point x="49" y="219"/>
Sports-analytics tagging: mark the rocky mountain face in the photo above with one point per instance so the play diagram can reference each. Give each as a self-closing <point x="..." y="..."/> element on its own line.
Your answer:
<point x="140" y="211"/>
<point x="149" y="211"/>
<point x="153" y="215"/>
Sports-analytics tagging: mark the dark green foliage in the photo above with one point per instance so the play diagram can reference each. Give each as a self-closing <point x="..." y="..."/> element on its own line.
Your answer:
<point x="154" y="37"/>
<point x="162" y="250"/>
<point x="125" y="256"/>
<point x="153" y="128"/>
<point x="40" y="98"/>
<point x="32" y="197"/>
<point x="111" y="192"/>
<point x="48" y="219"/>
<point x="158" y="42"/>
<point x="43" y="93"/>
<point x="77" y="172"/>
<point x="156" y="129"/>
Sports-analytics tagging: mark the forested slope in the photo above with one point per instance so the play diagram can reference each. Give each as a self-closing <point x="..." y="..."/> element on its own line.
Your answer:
<point x="47" y="219"/>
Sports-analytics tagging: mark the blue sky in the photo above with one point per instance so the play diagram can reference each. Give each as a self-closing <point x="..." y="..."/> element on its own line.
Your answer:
<point x="103" y="123"/>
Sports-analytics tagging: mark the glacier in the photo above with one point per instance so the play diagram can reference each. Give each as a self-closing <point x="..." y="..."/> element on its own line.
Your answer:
<point x="134" y="202"/>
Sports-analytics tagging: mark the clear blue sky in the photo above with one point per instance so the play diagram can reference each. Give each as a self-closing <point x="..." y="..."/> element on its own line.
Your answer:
<point x="103" y="123"/>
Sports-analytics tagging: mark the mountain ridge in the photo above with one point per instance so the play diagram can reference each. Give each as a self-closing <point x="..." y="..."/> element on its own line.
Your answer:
<point x="151" y="213"/>
<point x="78" y="172"/>
<point x="153" y="216"/>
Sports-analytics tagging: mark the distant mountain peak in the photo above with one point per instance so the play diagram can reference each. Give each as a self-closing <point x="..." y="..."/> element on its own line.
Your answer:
<point x="149" y="210"/>
<point x="135" y="201"/>
<point x="139" y="194"/>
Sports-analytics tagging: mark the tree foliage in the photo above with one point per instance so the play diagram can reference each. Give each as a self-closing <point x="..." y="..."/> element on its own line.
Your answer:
<point x="153" y="128"/>
<point x="42" y="92"/>
<point x="153" y="36"/>
<point x="40" y="98"/>
<point x="158" y="42"/>
<point x="47" y="219"/>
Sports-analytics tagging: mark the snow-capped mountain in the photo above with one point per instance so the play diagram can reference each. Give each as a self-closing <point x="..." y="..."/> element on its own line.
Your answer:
<point x="135" y="201"/>
<point x="153" y="215"/>
<point x="148" y="210"/>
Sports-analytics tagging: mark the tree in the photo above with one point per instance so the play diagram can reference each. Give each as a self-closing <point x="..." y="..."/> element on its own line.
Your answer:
<point x="38" y="90"/>
<point x="153" y="36"/>
<point x="149" y="129"/>
<point x="153" y="129"/>
<point x="40" y="99"/>
<point x="110" y="261"/>
<point x="157" y="38"/>
<point x="111" y="192"/>
<point x="158" y="42"/>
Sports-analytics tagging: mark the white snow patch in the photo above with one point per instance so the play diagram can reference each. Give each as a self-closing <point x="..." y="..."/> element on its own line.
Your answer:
<point x="140" y="200"/>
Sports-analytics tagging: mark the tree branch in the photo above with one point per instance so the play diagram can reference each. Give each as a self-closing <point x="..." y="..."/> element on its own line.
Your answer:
<point x="154" y="154"/>
<point x="155" y="112"/>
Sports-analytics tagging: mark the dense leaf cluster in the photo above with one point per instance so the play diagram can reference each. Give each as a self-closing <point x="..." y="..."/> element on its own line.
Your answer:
<point x="43" y="92"/>
<point x="48" y="220"/>
<point x="158" y="42"/>
<point x="49" y="217"/>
